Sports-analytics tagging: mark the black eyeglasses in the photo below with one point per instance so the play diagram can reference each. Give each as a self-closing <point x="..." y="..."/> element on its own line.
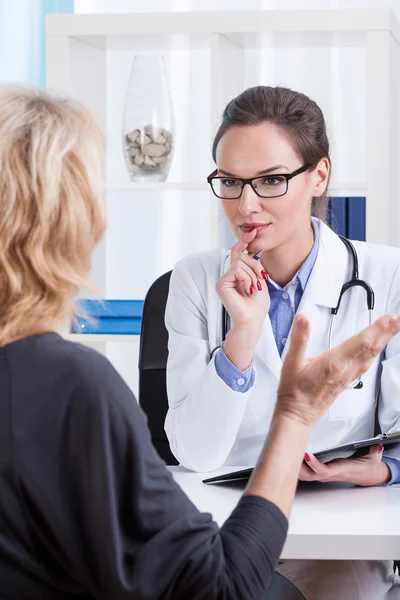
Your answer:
<point x="265" y="186"/>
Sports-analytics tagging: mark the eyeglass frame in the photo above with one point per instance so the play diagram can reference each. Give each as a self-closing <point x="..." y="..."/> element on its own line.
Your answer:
<point x="287" y="176"/>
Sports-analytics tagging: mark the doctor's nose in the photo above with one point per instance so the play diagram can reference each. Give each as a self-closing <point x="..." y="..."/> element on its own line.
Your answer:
<point x="249" y="201"/>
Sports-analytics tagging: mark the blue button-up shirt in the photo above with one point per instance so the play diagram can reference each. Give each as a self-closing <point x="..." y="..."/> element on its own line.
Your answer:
<point x="284" y="304"/>
<point x="285" y="301"/>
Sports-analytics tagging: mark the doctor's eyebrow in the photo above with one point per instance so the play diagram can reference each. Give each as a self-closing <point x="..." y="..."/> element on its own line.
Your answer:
<point x="263" y="172"/>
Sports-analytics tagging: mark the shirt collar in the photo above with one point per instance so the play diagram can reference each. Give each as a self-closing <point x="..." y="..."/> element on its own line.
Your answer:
<point x="304" y="272"/>
<point x="307" y="266"/>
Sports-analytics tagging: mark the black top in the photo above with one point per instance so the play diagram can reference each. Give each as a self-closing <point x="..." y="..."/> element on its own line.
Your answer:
<point x="88" y="510"/>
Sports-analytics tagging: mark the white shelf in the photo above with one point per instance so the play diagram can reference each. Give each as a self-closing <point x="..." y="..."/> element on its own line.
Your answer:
<point x="347" y="188"/>
<point x="100" y="338"/>
<point x="158" y="186"/>
<point x="110" y="31"/>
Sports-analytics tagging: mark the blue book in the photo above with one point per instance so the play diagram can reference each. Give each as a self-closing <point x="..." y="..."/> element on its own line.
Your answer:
<point x="338" y="215"/>
<point x="356" y="218"/>
<point x="109" y="316"/>
<point x="108" y="326"/>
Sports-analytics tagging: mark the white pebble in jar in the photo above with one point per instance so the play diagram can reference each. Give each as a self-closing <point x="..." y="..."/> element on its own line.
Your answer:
<point x="149" y="149"/>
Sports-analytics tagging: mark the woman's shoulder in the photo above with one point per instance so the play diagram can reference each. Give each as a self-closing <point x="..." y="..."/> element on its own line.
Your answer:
<point x="61" y="367"/>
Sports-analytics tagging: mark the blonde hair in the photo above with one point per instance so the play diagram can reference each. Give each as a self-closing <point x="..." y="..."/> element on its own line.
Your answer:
<point x="52" y="212"/>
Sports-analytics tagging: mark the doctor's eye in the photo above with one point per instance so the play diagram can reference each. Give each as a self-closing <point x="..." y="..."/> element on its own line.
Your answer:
<point x="230" y="183"/>
<point x="272" y="180"/>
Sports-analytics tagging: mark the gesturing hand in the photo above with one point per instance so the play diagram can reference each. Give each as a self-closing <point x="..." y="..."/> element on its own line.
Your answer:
<point x="309" y="386"/>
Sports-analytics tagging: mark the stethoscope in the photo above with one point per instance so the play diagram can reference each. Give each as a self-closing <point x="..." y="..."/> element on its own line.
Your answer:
<point x="353" y="282"/>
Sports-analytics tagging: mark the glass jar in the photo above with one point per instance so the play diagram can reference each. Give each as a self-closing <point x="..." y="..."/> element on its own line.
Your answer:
<point x="148" y="122"/>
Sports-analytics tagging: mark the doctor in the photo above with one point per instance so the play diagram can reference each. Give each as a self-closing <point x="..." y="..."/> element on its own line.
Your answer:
<point x="273" y="168"/>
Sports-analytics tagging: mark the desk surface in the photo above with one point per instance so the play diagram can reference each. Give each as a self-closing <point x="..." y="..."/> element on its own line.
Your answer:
<point x="328" y="521"/>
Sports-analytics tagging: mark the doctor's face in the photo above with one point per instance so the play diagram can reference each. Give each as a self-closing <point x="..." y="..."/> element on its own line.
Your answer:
<point x="251" y="151"/>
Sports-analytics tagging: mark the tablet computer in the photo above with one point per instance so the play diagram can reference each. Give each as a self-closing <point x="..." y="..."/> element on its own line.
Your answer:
<point x="345" y="451"/>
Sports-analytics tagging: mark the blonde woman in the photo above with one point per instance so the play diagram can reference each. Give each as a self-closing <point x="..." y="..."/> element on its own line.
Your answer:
<point x="87" y="509"/>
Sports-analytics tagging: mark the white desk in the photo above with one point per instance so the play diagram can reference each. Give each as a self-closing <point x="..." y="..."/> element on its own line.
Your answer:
<point x="329" y="521"/>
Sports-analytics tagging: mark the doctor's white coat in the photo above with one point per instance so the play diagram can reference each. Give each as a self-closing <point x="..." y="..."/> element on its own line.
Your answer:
<point x="210" y="425"/>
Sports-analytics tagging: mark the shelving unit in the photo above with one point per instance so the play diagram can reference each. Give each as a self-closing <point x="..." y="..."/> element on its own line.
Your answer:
<point x="210" y="57"/>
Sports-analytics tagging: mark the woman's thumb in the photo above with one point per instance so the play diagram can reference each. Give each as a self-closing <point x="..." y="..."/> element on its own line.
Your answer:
<point x="242" y="244"/>
<point x="375" y="453"/>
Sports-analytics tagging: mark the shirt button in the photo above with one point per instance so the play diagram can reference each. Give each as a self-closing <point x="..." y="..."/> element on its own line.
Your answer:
<point x="285" y="295"/>
<point x="284" y="340"/>
<point x="240" y="381"/>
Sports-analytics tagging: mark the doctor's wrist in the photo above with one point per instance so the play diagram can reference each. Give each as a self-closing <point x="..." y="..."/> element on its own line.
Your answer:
<point x="240" y="344"/>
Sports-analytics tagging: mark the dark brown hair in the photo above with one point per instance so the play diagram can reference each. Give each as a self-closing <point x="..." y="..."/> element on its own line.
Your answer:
<point x="294" y="113"/>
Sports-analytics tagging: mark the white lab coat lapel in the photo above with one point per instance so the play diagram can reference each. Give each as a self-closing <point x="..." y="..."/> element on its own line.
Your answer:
<point x="267" y="350"/>
<point x="323" y="289"/>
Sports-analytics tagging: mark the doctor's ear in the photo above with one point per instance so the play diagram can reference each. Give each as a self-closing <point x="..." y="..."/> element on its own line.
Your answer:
<point x="320" y="177"/>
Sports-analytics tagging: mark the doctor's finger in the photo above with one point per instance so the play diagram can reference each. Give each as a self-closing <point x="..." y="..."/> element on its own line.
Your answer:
<point x="240" y="266"/>
<point x="375" y="454"/>
<point x="306" y="474"/>
<point x="244" y="278"/>
<point x="254" y="265"/>
<point x="242" y="244"/>
<point x="319" y="468"/>
<point x="295" y="358"/>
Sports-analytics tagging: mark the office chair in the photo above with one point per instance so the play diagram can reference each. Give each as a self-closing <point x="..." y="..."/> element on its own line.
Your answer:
<point x="152" y="365"/>
<point x="282" y="588"/>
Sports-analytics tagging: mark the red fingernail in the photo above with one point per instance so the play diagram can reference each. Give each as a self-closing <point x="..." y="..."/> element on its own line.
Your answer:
<point x="380" y="448"/>
<point x="307" y="457"/>
<point x="264" y="274"/>
<point x="259" y="286"/>
<point x="251" y="289"/>
<point x="252" y="229"/>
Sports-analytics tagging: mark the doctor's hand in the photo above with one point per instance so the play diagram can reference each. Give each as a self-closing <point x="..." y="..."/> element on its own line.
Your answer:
<point x="308" y="386"/>
<point x="364" y="470"/>
<point x="244" y="294"/>
<point x="242" y="288"/>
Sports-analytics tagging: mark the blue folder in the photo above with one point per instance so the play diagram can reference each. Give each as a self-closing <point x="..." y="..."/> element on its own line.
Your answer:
<point x="356" y="218"/>
<point x="110" y="317"/>
<point x="346" y="216"/>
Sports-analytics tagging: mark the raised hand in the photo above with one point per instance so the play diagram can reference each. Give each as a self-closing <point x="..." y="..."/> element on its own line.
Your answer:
<point x="309" y="386"/>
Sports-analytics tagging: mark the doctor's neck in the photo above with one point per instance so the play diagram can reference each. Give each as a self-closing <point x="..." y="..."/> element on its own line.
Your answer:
<point x="283" y="261"/>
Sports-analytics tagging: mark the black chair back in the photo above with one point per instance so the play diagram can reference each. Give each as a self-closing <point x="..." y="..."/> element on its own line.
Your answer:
<point x="153" y="355"/>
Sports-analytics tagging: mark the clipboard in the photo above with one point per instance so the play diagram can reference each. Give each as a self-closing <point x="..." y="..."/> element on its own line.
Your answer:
<point x="354" y="449"/>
